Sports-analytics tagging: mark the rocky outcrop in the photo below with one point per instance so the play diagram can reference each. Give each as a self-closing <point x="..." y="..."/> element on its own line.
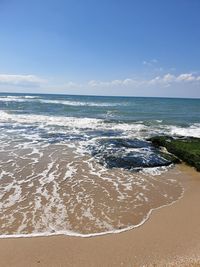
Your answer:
<point x="185" y="148"/>
<point x="129" y="154"/>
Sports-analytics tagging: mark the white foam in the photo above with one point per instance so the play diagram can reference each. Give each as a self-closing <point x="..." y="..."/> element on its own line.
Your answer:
<point x="12" y="99"/>
<point x="76" y="234"/>
<point x="71" y="170"/>
<point x="78" y="103"/>
<point x="48" y="189"/>
<point x="30" y="97"/>
<point x="43" y="120"/>
<point x="155" y="170"/>
<point x="76" y="124"/>
<point x="12" y="198"/>
<point x="4" y="173"/>
<point x="37" y="99"/>
<point x="193" y="130"/>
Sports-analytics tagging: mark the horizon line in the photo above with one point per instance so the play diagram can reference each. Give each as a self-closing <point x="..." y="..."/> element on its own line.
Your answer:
<point x="128" y="96"/>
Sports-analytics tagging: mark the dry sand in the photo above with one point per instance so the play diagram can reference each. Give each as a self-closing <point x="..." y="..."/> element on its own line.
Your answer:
<point x="171" y="237"/>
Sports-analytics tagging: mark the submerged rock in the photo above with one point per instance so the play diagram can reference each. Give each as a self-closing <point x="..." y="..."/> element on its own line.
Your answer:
<point x="185" y="148"/>
<point x="130" y="154"/>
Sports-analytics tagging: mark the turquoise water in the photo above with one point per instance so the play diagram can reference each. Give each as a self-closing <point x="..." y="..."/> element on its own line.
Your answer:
<point x="123" y="109"/>
<point x="164" y="115"/>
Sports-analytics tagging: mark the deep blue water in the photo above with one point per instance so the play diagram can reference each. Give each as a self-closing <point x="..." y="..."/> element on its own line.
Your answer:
<point x="182" y="112"/>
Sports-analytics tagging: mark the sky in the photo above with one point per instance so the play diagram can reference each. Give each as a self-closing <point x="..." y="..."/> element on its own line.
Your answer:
<point x="104" y="47"/>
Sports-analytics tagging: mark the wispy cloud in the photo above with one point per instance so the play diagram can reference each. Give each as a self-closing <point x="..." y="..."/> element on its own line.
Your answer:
<point x="169" y="79"/>
<point x="73" y="85"/>
<point x="21" y="80"/>
<point x="154" y="65"/>
<point x="150" y="63"/>
<point x="165" y="80"/>
<point x="113" y="83"/>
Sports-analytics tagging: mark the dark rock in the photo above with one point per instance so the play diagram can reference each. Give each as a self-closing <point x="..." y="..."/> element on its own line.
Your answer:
<point x="130" y="154"/>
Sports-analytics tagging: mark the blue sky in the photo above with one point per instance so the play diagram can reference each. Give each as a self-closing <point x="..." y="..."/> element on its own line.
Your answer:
<point x="107" y="47"/>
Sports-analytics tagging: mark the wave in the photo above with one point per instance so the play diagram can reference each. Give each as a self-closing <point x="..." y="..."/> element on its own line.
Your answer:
<point x="25" y="98"/>
<point x="136" y="129"/>
<point x="12" y="99"/>
<point x="36" y="99"/>
<point x="78" y="103"/>
<point x="30" y="97"/>
<point x="193" y="130"/>
<point x="44" y="120"/>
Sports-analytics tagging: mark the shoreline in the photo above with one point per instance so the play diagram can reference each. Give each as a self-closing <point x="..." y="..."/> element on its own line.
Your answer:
<point x="69" y="233"/>
<point x="170" y="237"/>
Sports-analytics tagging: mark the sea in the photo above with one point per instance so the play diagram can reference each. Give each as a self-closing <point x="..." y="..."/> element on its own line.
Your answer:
<point x="62" y="162"/>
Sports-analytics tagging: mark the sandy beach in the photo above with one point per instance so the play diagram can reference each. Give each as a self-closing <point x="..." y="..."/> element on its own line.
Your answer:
<point x="171" y="237"/>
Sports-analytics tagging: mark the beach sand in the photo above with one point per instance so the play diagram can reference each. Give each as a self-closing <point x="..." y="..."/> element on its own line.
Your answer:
<point x="171" y="237"/>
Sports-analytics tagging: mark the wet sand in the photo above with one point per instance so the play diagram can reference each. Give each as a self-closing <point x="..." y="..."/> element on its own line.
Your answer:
<point x="171" y="237"/>
<point x="58" y="189"/>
